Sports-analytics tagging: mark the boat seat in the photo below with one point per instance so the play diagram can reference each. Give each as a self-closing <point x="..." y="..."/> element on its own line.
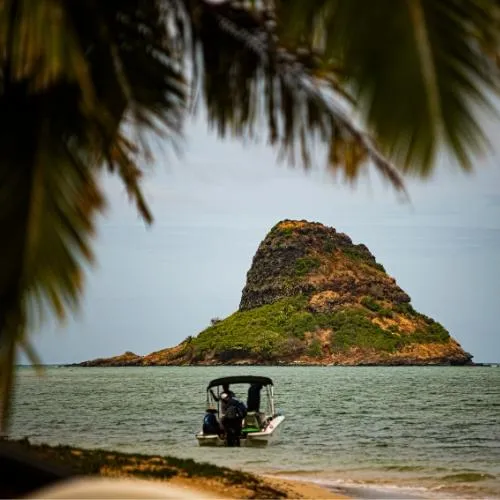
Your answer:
<point x="253" y="420"/>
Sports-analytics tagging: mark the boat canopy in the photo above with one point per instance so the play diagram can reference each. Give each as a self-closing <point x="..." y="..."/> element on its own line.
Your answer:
<point x="240" y="379"/>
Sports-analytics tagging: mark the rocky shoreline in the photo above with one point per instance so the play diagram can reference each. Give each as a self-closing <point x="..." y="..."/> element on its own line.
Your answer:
<point x="109" y="363"/>
<point x="93" y="364"/>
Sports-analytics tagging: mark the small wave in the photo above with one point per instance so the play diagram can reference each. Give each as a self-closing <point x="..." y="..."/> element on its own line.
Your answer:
<point x="292" y="472"/>
<point x="360" y="489"/>
<point x="405" y="468"/>
<point x="467" y="477"/>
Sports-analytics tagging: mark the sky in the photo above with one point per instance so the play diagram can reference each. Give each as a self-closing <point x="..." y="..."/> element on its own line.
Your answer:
<point x="154" y="286"/>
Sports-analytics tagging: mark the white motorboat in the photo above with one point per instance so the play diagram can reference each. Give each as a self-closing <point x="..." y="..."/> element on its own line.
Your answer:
<point x="259" y="427"/>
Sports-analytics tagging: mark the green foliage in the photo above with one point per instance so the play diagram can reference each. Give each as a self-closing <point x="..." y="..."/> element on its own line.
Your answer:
<point x="427" y="319"/>
<point x="373" y="305"/>
<point x="299" y="323"/>
<point x="432" y="333"/>
<point x="370" y="303"/>
<point x="262" y="330"/>
<point x="354" y="254"/>
<point x="278" y="330"/>
<point x="352" y="328"/>
<point x="385" y="313"/>
<point x="315" y="349"/>
<point x="286" y="231"/>
<point x="405" y="308"/>
<point x="305" y="265"/>
<point x="438" y="335"/>
<point x="329" y="246"/>
<point x="439" y="61"/>
<point x="290" y="346"/>
<point x="438" y="332"/>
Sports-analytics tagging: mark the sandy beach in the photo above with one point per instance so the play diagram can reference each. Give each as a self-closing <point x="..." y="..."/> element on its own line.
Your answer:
<point x="290" y="488"/>
<point x="216" y="487"/>
<point x="196" y="478"/>
<point x="302" y="489"/>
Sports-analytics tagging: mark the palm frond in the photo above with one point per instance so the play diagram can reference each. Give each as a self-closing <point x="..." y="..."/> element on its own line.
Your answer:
<point x="65" y="94"/>
<point x="48" y="206"/>
<point x="416" y="69"/>
<point x="250" y="82"/>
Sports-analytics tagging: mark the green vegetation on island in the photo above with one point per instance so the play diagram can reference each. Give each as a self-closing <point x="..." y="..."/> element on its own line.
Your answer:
<point x="281" y="329"/>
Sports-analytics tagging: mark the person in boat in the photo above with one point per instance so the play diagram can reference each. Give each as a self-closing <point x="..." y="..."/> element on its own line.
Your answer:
<point x="210" y="423"/>
<point x="225" y="390"/>
<point x="253" y="400"/>
<point x="232" y="419"/>
<point x="254" y="417"/>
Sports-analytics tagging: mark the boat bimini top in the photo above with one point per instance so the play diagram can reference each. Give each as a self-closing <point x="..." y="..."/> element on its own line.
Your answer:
<point x="240" y="379"/>
<point x="265" y="382"/>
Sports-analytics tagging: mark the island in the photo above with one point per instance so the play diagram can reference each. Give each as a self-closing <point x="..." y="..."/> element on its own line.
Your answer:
<point x="313" y="297"/>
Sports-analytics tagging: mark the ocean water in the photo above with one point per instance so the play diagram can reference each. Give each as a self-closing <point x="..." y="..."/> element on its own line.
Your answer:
<point x="373" y="432"/>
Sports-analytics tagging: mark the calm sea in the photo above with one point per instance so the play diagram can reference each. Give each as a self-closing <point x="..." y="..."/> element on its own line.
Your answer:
<point x="372" y="432"/>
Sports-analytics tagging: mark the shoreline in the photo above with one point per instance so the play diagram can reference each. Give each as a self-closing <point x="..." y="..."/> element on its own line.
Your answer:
<point x="278" y="365"/>
<point x="202" y="477"/>
<point x="166" y="475"/>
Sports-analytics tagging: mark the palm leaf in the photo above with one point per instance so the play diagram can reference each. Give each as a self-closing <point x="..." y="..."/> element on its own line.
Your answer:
<point x="250" y="82"/>
<point x="65" y="94"/>
<point x="48" y="205"/>
<point x="415" y="68"/>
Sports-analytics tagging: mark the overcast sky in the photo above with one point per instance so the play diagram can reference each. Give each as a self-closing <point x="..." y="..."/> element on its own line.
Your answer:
<point x="154" y="286"/>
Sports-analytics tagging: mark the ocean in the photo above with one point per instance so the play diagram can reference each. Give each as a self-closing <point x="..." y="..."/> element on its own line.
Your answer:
<point x="371" y="432"/>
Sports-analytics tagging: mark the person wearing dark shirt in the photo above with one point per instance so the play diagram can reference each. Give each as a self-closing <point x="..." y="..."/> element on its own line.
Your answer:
<point x="253" y="400"/>
<point x="232" y="419"/>
<point x="210" y="423"/>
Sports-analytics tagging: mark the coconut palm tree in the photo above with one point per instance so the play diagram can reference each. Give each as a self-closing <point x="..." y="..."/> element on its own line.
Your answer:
<point x="84" y="83"/>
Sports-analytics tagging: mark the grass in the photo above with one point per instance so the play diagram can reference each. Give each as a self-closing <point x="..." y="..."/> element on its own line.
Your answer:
<point x="263" y="330"/>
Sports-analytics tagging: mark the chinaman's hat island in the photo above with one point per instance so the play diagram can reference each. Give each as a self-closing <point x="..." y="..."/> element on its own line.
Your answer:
<point x="313" y="297"/>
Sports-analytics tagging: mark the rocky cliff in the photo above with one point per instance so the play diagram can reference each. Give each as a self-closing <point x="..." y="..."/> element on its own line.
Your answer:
<point x="314" y="297"/>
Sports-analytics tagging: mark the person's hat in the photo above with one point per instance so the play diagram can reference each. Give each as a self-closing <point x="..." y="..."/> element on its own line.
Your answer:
<point x="211" y="408"/>
<point x="224" y="396"/>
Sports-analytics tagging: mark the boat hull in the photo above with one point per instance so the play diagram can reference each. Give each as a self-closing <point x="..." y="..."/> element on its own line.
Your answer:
<point x="263" y="438"/>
